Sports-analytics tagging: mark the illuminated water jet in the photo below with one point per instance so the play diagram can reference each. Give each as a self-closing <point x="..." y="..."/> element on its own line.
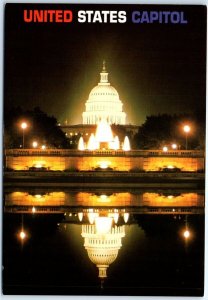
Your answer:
<point x="104" y="139"/>
<point x="92" y="145"/>
<point x="126" y="144"/>
<point x="81" y="146"/>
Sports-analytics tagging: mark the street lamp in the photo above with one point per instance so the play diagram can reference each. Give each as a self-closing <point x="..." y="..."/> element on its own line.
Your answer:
<point x="23" y="126"/>
<point x="186" y="129"/>
<point x="165" y="149"/>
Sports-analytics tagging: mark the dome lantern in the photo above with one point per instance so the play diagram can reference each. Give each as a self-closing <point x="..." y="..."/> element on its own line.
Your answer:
<point x="103" y="76"/>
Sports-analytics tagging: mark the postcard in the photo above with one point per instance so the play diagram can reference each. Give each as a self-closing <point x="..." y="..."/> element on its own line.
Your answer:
<point x="104" y="149"/>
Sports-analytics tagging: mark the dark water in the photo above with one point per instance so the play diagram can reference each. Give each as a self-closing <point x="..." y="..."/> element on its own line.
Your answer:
<point x="153" y="257"/>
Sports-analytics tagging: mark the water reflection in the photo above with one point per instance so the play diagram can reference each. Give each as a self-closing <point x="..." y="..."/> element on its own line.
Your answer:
<point x="102" y="240"/>
<point x="102" y="237"/>
<point x="45" y="201"/>
<point x="94" y="232"/>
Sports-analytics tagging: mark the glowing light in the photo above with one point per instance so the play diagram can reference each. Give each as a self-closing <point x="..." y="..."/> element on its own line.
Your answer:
<point x="103" y="132"/>
<point x="38" y="165"/>
<point x="103" y="139"/>
<point x="39" y="197"/>
<point x="103" y="225"/>
<point x="165" y="149"/>
<point x="43" y="147"/>
<point x="33" y="210"/>
<point x="24" y="125"/>
<point x="34" y="144"/>
<point x="80" y="216"/>
<point x="81" y="146"/>
<point x="174" y="146"/>
<point x="103" y="241"/>
<point x="126" y="144"/>
<point x="104" y="102"/>
<point x="22" y="235"/>
<point x="126" y="217"/>
<point x="170" y="167"/>
<point x="186" y="128"/>
<point x="186" y="234"/>
<point x="104" y="164"/>
<point x="92" y="215"/>
<point x="116" y="143"/>
<point x="170" y="196"/>
<point x="115" y="217"/>
<point x="92" y="144"/>
<point x="103" y="198"/>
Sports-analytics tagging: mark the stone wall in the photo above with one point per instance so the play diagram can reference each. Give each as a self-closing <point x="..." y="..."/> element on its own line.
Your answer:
<point x="82" y="199"/>
<point x="116" y="160"/>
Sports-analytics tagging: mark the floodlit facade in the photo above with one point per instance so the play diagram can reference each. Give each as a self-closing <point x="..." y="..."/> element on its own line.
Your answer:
<point x="104" y="103"/>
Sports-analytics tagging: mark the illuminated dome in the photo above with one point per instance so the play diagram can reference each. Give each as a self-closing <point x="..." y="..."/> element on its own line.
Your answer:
<point x="104" y="102"/>
<point x="102" y="243"/>
<point x="102" y="257"/>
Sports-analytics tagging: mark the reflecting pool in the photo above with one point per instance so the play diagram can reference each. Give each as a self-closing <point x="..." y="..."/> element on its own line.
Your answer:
<point x="103" y="241"/>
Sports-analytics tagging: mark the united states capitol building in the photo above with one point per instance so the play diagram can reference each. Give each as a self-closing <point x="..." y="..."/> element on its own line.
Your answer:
<point x="103" y="103"/>
<point x="103" y="142"/>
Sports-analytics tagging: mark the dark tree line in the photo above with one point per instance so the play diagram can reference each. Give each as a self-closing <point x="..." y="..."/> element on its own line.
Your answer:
<point x="156" y="132"/>
<point x="164" y="129"/>
<point x="42" y="128"/>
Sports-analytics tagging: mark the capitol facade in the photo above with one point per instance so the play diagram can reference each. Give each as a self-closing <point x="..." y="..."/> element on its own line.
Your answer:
<point x="104" y="103"/>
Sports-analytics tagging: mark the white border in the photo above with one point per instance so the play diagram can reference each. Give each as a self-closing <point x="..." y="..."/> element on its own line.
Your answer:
<point x="2" y="3"/>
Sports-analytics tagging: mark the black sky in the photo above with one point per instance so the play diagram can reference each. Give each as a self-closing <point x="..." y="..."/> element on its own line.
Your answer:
<point x="155" y="68"/>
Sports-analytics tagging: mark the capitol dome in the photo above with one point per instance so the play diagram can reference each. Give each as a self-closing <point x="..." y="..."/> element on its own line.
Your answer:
<point x="102" y="247"/>
<point x="106" y="92"/>
<point x="104" y="103"/>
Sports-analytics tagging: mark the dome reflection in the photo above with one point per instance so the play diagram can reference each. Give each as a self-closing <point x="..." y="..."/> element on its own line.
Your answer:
<point x="102" y="239"/>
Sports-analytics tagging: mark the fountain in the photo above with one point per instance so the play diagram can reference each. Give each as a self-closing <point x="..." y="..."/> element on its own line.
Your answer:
<point x="81" y="146"/>
<point x="116" y="143"/>
<point x="92" y="145"/>
<point x="104" y="139"/>
<point x="126" y="144"/>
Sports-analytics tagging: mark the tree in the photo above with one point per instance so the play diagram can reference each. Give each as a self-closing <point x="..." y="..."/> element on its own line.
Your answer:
<point x="163" y="129"/>
<point x="41" y="127"/>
